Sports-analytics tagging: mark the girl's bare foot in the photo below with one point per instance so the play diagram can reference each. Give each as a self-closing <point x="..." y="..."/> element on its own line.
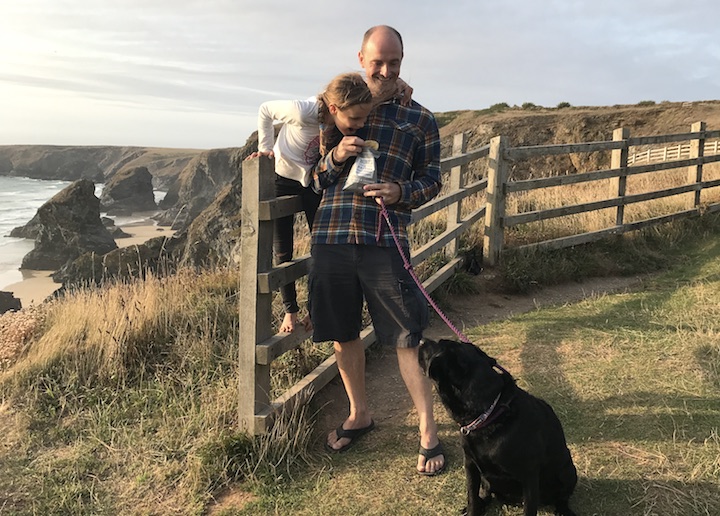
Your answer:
<point x="289" y="323"/>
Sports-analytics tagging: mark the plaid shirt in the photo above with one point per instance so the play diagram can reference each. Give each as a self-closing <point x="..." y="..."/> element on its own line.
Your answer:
<point x="409" y="155"/>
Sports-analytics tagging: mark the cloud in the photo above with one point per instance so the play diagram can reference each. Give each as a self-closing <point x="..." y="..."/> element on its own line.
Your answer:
<point x="189" y="64"/>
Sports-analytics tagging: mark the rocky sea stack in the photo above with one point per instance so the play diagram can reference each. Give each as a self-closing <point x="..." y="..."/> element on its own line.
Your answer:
<point x="129" y="191"/>
<point x="67" y="226"/>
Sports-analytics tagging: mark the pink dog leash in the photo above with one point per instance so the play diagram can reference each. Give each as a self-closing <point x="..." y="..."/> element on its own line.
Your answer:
<point x="408" y="266"/>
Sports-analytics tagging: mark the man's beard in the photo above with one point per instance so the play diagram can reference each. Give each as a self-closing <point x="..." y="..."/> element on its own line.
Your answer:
<point x="383" y="89"/>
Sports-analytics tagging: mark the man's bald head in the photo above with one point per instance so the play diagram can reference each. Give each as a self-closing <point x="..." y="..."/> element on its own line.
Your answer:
<point x="384" y="29"/>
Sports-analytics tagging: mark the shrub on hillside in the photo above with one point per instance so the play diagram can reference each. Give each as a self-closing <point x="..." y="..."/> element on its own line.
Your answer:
<point x="500" y="106"/>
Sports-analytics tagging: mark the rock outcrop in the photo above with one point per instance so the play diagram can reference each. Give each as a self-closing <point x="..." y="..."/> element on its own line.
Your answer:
<point x="8" y="302"/>
<point x="199" y="184"/>
<point x="157" y="255"/>
<point x="97" y="163"/>
<point x="213" y="236"/>
<point x="129" y="191"/>
<point x="114" y="230"/>
<point x="69" y="225"/>
<point x="211" y="239"/>
<point x="201" y="181"/>
<point x="192" y="178"/>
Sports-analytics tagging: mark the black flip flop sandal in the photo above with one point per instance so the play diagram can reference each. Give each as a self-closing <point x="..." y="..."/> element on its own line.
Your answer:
<point x="429" y="454"/>
<point x="353" y="435"/>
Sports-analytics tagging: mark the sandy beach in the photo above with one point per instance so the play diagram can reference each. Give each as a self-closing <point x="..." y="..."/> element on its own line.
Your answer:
<point x="38" y="285"/>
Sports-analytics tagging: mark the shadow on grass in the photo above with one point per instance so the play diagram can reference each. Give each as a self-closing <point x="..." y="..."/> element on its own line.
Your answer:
<point x="646" y="430"/>
<point x="633" y="413"/>
<point x="647" y="496"/>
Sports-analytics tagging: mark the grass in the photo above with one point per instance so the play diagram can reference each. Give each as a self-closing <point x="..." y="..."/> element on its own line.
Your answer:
<point x="122" y="400"/>
<point x="95" y="421"/>
<point x="634" y="377"/>
<point x="125" y="403"/>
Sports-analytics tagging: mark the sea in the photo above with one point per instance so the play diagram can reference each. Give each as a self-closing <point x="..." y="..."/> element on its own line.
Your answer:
<point x="20" y="198"/>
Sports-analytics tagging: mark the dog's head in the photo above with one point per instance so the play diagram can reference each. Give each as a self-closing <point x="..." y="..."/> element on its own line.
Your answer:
<point x="464" y="375"/>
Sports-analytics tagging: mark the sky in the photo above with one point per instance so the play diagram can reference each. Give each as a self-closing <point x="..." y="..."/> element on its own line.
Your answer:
<point x="192" y="73"/>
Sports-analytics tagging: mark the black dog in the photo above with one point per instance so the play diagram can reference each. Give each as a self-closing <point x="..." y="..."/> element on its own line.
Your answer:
<point x="513" y="442"/>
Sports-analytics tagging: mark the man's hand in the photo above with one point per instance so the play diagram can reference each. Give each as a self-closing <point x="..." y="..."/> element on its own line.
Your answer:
<point x="269" y="154"/>
<point x="388" y="192"/>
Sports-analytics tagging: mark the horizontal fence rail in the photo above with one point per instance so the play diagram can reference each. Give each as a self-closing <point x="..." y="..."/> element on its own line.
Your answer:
<point x="675" y="152"/>
<point x="259" y="346"/>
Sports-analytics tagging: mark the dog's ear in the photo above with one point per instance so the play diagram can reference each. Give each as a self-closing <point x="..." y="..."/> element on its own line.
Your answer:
<point x="493" y="363"/>
<point x="437" y="366"/>
<point x="485" y="356"/>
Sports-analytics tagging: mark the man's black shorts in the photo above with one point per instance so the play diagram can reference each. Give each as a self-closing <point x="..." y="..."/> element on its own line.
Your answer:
<point x="343" y="274"/>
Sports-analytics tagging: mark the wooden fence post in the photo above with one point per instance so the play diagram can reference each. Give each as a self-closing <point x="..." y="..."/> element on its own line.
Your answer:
<point x="457" y="181"/>
<point x="495" y="195"/>
<point x="695" y="172"/>
<point x="619" y="159"/>
<point x="256" y="308"/>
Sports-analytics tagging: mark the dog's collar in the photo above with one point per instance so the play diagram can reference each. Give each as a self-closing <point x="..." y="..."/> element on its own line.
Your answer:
<point x="482" y="420"/>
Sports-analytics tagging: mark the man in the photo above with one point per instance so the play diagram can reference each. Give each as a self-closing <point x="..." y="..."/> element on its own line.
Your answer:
<point x="354" y="259"/>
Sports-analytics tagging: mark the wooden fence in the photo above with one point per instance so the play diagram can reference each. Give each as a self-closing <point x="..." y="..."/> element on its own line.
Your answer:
<point x="679" y="151"/>
<point x="259" y="346"/>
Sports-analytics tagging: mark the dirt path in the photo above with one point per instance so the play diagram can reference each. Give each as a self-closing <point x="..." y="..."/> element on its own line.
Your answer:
<point x="390" y="402"/>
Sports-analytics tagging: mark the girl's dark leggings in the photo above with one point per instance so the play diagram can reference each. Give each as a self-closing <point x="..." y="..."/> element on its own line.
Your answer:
<point x="283" y="235"/>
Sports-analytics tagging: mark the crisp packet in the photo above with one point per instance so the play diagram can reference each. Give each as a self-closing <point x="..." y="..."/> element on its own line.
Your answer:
<point x="363" y="171"/>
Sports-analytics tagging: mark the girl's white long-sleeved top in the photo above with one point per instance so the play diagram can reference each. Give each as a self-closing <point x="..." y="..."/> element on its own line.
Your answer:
<point x="297" y="146"/>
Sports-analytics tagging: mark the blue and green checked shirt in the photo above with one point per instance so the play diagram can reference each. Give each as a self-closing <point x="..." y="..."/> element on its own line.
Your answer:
<point x="409" y="155"/>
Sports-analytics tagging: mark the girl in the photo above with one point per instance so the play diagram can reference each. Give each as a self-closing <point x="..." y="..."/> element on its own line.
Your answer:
<point x="345" y="104"/>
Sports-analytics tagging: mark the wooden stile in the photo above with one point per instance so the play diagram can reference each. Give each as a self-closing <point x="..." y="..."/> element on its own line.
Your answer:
<point x="259" y="279"/>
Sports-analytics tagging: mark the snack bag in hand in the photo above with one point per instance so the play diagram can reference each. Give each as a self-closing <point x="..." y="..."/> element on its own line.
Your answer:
<point x="363" y="171"/>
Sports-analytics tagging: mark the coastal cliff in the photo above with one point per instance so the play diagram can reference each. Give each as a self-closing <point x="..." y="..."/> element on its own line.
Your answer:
<point x="194" y="178"/>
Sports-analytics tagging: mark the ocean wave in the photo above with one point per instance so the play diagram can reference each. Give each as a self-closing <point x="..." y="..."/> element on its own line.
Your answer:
<point x="14" y="208"/>
<point x="11" y="241"/>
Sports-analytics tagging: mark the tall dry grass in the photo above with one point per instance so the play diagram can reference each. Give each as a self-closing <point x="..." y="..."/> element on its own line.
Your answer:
<point x="126" y="328"/>
<point x="582" y="193"/>
<point x="126" y="400"/>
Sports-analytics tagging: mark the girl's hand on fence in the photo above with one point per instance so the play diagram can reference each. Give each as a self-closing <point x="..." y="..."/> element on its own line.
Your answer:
<point x="269" y="154"/>
<point x="389" y="192"/>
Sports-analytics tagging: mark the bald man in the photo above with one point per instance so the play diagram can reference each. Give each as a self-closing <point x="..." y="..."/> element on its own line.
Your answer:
<point x="354" y="260"/>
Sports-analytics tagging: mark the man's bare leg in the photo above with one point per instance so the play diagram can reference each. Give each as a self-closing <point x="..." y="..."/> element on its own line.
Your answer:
<point x="350" y="357"/>
<point x="420" y="390"/>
